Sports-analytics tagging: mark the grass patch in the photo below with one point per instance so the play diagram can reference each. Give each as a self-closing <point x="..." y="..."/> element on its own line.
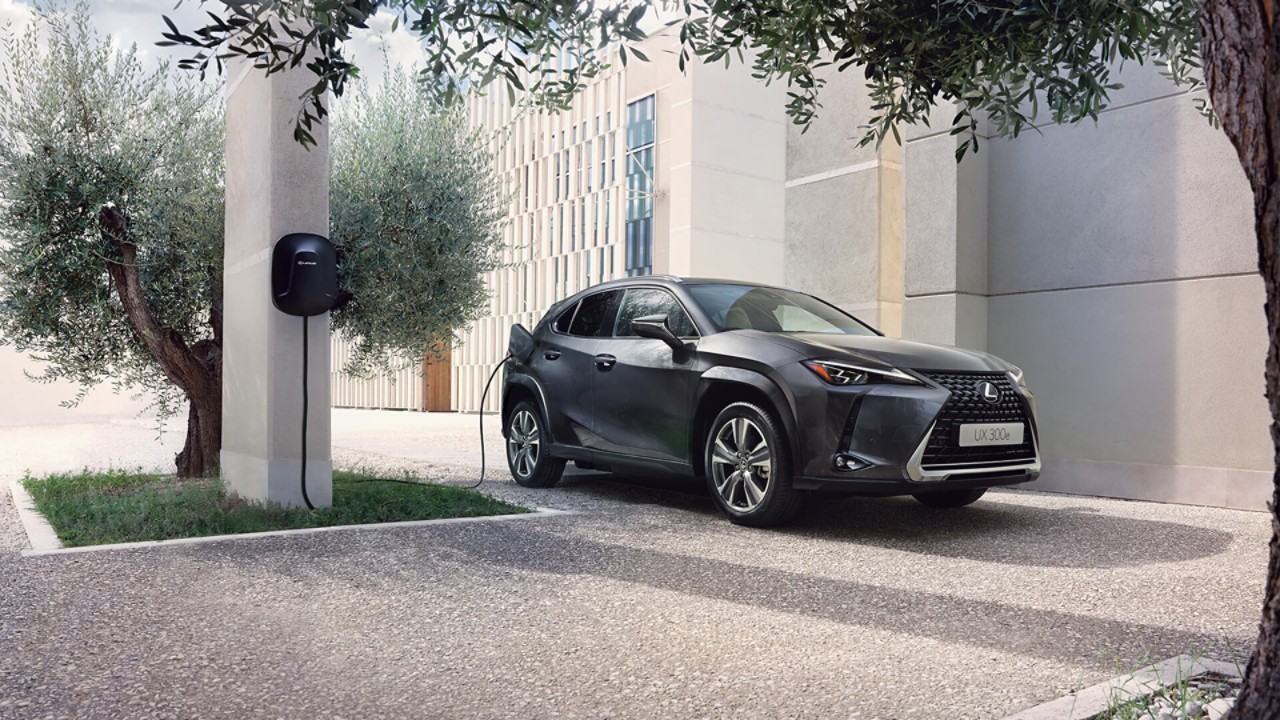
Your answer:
<point x="94" y="508"/>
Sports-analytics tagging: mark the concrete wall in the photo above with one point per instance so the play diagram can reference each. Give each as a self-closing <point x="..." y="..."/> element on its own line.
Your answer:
<point x="946" y="235"/>
<point x="31" y="403"/>
<point x="844" y="209"/>
<point x="1121" y="271"/>
<point x="721" y="168"/>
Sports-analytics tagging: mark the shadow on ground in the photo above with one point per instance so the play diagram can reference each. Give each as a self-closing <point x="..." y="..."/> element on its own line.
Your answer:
<point x="1048" y="634"/>
<point x="990" y="530"/>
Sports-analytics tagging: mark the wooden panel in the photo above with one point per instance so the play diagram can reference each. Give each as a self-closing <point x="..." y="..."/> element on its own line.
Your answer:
<point x="436" y="373"/>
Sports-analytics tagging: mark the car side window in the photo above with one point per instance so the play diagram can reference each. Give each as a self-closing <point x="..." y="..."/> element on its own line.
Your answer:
<point x="566" y="317"/>
<point x="641" y="302"/>
<point x="595" y="315"/>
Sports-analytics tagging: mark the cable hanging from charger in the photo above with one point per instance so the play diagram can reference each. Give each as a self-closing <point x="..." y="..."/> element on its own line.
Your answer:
<point x="483" y="396"/>
<point x="306" y="349"/>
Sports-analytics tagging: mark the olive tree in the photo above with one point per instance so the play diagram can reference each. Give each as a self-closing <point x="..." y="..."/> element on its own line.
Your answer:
<point x="415" y="216"/>
<point x="111" y="222"/>
<point x="1003" y="60"/>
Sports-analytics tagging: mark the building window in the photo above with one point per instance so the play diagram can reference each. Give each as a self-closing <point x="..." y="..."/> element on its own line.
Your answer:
<point x="640" y="187"/>
<point x="604" y="177"/>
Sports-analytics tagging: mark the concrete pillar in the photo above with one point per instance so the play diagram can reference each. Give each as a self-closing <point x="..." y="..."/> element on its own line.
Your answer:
<point x="274" y="187"/>
<point x="945" y="239"/>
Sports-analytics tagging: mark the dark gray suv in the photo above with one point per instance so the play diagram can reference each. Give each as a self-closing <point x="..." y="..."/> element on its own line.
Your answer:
<point x="767" y="393"/>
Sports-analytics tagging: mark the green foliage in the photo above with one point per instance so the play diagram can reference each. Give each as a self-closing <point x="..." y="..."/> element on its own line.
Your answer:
<point x="115" y="506"/>
<point x="1001" y="60"/>
<point x="468" y="43"/>
<point x="415" y="213"/>
<point x="82" y="126"/>
<point x="1005" y="60"/>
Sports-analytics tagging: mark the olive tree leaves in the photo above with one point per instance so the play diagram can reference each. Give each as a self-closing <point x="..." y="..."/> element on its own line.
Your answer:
<point x="1001" y="62"/>
<point x="545" y="51"/>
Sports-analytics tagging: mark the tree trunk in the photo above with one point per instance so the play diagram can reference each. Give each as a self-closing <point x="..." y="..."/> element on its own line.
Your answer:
<point x="195" y="369"/>
<point x="199" y="456"/>
<point x="1242" y="72"/>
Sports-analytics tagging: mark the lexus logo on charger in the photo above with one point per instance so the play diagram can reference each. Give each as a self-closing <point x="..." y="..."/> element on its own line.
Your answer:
<point x="989" y="392"/>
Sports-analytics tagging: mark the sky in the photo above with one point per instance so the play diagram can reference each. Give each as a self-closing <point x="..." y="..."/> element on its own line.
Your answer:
<point x="140" y="22"/>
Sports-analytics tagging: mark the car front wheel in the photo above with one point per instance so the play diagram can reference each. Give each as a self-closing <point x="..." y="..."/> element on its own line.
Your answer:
<point x="748" y="467"/>
<point x="527" y="457"/>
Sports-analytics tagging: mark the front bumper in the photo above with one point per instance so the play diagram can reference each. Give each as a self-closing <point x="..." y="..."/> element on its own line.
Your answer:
<point x="875" y="439"/>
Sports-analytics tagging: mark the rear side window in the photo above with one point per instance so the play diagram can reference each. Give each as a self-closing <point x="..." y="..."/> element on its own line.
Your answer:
<point x="595" y="315"/>
<point x="566" y="317"/>
<point x="642" y="302"/>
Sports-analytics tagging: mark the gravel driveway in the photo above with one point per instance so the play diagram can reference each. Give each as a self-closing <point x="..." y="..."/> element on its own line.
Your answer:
<point x="643" y="604"/>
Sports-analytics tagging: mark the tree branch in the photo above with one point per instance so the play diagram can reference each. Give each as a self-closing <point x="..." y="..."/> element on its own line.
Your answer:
<point x="183" y="367"/>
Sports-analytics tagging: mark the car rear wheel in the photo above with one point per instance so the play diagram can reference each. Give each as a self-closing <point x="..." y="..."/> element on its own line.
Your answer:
<point x="528" y="460"/>
<point x="950" y="498"/>
<point x="748" y="467"/>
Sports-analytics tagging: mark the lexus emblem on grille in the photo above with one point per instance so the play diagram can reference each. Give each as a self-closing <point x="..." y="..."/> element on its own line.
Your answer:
<point x="989" y="392"/>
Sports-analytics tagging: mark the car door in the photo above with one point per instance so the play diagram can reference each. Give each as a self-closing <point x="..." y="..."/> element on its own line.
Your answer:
<point x="641" y="385"/>
<point x="564" y="361"/>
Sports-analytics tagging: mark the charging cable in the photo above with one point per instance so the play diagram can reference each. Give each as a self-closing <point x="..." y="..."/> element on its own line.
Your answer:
<point x="483" y="396"/>
<point x="306" y="349"/>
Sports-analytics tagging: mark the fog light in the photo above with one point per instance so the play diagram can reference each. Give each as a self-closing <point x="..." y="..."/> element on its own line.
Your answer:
<point x="848" y="463"/>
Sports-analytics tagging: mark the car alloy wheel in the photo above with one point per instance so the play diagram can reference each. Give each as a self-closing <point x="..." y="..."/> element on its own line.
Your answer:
<point x="527" y="458"/>
<point x="523" y="445"/>
<point x="748" y="466"/>
<point x="741" y="464"/>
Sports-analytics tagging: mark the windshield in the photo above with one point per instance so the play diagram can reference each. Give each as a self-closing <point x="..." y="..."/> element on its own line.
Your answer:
<point x="749" y="307"/>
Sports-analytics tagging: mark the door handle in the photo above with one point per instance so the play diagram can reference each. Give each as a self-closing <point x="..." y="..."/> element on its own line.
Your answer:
<point x="551" y="354"/>
<point x="604" y="362"/>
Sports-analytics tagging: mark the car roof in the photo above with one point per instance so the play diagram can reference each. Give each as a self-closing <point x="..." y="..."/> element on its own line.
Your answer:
<point x="669" y="280"/>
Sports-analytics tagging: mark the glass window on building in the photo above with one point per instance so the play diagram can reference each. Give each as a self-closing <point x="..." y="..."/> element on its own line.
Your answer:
<point x="604" y="179"/>
<point x="640" y="187"/>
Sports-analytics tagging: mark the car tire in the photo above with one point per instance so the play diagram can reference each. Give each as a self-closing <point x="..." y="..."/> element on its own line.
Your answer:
<point x="950" y="498"/>
<point x="529" y="462"/>
<point x="763" y="496"/>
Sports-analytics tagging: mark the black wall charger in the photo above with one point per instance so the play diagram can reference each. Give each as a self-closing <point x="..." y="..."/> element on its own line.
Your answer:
<point x="304" y="282"/>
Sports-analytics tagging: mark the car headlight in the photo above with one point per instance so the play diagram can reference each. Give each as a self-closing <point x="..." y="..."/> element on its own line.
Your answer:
<point x="844" y="373"/>
<point x="1018" y="376"/>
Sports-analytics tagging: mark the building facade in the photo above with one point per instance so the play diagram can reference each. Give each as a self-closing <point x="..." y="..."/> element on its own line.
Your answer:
<point x="651" y="171"/>
<point x="1115" y="262"/>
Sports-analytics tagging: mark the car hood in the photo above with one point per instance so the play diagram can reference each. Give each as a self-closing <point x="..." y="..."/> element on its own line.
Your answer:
<point x="906" y="354"/>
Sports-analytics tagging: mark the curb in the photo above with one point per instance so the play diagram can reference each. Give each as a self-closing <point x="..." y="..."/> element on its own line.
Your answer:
<point x="38" y="552"/>
<point x="39" y="532"/>
<point x="1093" y="701"/>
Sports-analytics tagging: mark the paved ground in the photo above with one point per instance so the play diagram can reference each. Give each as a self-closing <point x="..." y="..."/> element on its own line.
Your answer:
<point x="646" y="604"/>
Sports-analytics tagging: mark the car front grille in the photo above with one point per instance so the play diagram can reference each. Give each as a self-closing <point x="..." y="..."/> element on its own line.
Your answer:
<point x="967" y="406"/>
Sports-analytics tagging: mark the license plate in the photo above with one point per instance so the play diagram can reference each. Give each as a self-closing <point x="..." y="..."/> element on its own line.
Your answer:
<point x="973" y="434"/>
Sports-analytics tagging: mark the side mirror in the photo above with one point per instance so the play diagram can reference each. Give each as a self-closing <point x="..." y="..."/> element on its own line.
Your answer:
<point x="655" y="327"/>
